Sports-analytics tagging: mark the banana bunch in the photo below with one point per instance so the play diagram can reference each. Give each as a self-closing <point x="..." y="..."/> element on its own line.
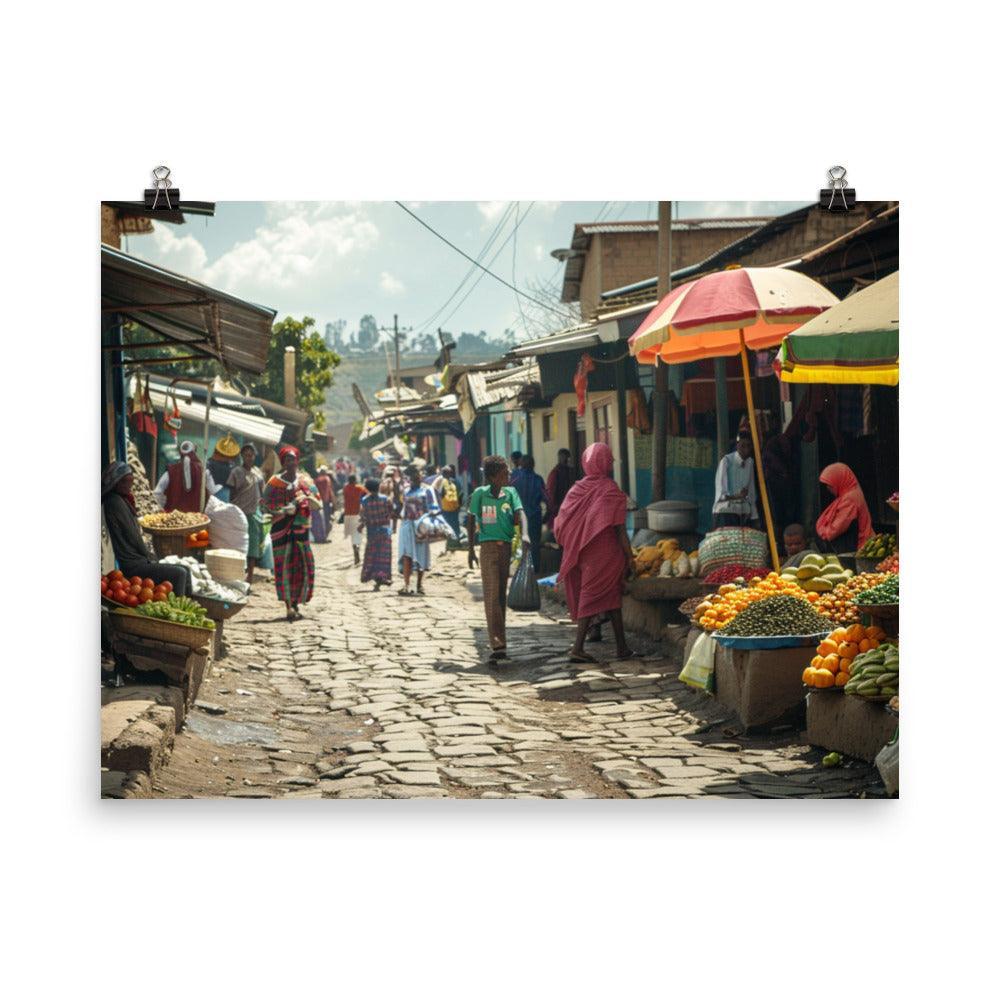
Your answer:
<point x="875" y="674"/>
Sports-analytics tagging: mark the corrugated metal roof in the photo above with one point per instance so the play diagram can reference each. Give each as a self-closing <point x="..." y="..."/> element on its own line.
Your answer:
<point x="246" y="425"/>
<point x="211" y="322"/>
<point x="582" y="335"/>
<point x="676" y="225"/>
<point x="485" y="389"/>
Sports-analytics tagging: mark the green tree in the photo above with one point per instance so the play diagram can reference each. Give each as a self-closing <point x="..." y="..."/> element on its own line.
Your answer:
<point x="314" y="366"/>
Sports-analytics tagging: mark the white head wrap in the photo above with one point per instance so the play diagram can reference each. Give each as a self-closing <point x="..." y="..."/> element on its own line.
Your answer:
<point x="187" y="449"/>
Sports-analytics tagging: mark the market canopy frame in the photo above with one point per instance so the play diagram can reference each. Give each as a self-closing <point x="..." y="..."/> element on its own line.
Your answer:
<point x="211" y="323"/>
<point x="723" y="314"/>
<point x="855" y="342"/>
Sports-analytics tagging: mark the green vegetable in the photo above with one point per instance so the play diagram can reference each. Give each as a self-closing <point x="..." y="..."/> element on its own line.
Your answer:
<point x="831" y="759"/>
<point x="778" y="615"/>
<point x="886" y="592"/>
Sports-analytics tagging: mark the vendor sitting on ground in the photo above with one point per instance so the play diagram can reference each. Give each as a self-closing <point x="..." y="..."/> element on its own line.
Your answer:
<point x="126" y="536"/>
<point x="797" y="546"/>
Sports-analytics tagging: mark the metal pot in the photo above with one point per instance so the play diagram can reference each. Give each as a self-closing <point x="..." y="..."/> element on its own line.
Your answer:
<point x="673" y="516"/>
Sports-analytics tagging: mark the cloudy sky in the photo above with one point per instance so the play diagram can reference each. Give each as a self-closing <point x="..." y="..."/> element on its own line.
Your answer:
<point x="340" y="260"/>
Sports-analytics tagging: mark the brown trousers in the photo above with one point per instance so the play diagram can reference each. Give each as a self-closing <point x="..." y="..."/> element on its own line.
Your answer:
<point x="494" y="565"/>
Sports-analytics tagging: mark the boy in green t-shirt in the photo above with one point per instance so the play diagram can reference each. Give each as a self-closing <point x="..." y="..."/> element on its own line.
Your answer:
<point x="494" y="510"/>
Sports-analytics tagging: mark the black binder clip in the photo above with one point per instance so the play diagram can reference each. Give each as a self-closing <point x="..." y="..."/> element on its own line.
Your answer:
<point x="838" y="197"/>
<point x="162" y="197"/>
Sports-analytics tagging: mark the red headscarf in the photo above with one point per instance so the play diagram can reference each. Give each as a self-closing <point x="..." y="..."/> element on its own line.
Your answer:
<point x="849" y="506"/>
<point x="591" y="505"/>
<point x="288" y="449"/>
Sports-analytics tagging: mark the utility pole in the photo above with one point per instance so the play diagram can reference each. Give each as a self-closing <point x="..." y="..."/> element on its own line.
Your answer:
<point x="663" y="259"/>
<point x="395" y="336"/>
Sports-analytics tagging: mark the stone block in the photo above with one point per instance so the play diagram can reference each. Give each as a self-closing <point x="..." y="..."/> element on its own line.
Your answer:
<point x="841" y="722"/>
<point x="157" y="694"/>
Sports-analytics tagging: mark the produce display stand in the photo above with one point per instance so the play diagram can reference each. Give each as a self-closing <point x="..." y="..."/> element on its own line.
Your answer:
<point x="761" y="685"/>
<point x="219" y="611"/>
<point x="183" y="666"/>
<point x="172" y="541"/>
<point x="650" y="603"/>
<point x="848" y="724"/>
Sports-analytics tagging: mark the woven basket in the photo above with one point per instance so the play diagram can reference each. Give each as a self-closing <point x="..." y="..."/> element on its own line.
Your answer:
<point x="126" y="620"/>
<point x="183" y="532"/>
<point x="219" y="610"/>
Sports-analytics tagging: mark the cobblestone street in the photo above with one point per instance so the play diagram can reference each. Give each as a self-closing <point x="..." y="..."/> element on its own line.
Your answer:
<point x="375" y="695"/>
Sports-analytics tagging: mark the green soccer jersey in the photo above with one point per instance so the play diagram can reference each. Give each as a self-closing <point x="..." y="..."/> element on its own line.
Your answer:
<point x="495" y="515"/>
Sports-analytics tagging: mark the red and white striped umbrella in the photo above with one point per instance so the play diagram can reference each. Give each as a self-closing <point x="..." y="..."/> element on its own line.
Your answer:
<point x="714" y="316"/>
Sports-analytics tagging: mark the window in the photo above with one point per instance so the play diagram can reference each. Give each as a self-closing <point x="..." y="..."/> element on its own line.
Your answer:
<point x="548" y="431"/>
<point x="602" y="425"/>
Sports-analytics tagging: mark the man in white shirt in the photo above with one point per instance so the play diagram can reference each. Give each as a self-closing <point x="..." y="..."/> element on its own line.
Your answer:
<point x="179" y="487"/>
<point x="735" y="489"/>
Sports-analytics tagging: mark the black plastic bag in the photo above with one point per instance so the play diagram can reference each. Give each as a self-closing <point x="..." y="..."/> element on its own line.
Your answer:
<point x="523" y="594"/>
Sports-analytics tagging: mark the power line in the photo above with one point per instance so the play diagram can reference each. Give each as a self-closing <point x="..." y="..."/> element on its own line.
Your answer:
<point x="513" y="262"/>
<point x="486" y="270"/>
<point x="427" y="323"/>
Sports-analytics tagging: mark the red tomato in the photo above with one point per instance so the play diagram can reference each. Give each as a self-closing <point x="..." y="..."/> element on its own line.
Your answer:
<point x="146" y="594"/>
<point x="121" y="596"/>
<point x="116" y="574"/>
<point x="104" y="585"/>
<point x="135" y="589"/>
<point x="135" y="580"/>
<point x="159" y="595"/>
<point x="147" y="583"/>
<point x="167" y="586"/>
<point x="132" y="601"/>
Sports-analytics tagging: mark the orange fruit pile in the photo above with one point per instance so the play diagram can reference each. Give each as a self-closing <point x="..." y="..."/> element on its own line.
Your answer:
<point x="831" y="666"/>
<point x="838" y="604"/>
<point x="722" y="607"/>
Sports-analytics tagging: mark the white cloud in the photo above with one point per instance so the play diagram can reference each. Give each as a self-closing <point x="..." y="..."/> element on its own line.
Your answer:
<point x="539" y="251"/>
<point x="300" y="245"/>
<point x="390" y="285"/>
<point x="491" y="210"/>
<point x="183" y="254"/>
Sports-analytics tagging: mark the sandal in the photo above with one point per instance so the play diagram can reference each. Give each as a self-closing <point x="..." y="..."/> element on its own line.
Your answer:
<point x="629" y="655"/>
<point x="582" y="657"/>
<point x="405" y="592"/>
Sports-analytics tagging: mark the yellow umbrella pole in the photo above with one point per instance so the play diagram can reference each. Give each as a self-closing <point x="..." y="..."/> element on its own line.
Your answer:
<point x="758" y="463"/>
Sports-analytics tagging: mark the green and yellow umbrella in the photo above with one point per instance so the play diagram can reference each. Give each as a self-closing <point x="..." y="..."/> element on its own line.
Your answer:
<point x="854" y="342"/>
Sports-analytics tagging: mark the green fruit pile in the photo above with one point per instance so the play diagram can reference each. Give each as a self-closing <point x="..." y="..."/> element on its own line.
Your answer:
<point x="878" y="547"/>
<point x="817" y="573"/>
<point x="875" y="674"/>
<point x="778" y="615"/>
<point x="887" y="592"/>
<point x="179" y="610"/>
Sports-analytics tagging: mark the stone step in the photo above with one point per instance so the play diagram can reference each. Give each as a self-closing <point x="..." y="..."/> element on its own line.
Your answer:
<point x="137" y="735"/>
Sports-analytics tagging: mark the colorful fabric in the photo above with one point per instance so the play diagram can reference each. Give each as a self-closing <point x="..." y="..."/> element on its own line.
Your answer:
<point x="294" y="569"/>
<point x="592" y="504"/>
<point x="848" y="506"/>
<point x="596" y="581"/>
<point x="376" y="518"/>
<point x="352" y="498"/>
<point x="494" y="569"/>
<point x="286" y="450"/>
<point x="495" y="516"/>
<point x="325" y="486"/>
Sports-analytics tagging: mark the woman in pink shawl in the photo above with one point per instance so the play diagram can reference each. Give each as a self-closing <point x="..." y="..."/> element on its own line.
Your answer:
<point x="597" y="557"/>
<point x="845" y="525"/>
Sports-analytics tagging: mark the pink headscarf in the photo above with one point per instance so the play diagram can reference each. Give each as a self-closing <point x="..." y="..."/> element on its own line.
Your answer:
<point x="591" y="505"/>
<point x="850" y="504"/>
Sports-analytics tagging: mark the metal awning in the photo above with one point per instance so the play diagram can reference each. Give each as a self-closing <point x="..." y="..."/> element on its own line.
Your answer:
<point x="573" y="338"/>
<point x="185" y="312"/>
<point x="257" y="429"/>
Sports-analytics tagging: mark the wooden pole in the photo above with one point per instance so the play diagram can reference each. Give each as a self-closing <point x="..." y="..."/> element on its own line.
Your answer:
<point x="660" y="390"/>
<point x="721" y="408"/>
<point x="758" y="463"/>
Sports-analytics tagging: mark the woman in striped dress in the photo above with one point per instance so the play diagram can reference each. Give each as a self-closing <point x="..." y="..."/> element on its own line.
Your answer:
<point x="377" y="513"/>
<point x="291" y="497"/>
